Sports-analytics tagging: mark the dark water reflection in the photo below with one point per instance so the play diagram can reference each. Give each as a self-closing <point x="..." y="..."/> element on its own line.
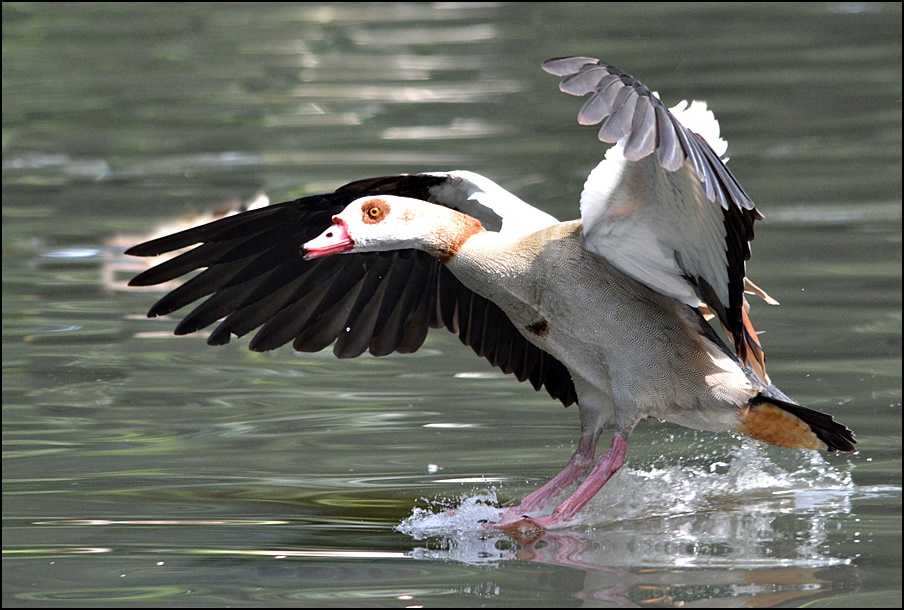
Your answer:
<point x="142" y="469"/>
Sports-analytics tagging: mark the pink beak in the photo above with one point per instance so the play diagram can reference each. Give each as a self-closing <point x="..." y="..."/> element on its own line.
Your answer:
<point x="334" y="240"/>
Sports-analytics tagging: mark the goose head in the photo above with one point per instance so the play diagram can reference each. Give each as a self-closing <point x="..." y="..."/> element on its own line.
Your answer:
<point x="390" y="222"/>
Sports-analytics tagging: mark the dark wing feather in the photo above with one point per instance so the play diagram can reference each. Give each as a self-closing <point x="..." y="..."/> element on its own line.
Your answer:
<point x="253" y="276"/>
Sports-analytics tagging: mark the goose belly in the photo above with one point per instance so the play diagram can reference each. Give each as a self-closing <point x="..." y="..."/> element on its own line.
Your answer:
<point x="611" y="332"/>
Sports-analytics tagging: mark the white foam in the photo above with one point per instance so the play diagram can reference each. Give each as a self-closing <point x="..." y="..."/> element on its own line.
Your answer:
<point x="716" y="511"/>
<point x="440" y="518"/>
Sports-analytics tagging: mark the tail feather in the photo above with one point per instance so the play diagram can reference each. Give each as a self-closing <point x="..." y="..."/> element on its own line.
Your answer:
<point x="787" y="424"/>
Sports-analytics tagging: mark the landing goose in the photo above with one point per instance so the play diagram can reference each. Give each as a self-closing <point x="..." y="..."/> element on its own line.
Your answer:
<point x="609" y="311"/>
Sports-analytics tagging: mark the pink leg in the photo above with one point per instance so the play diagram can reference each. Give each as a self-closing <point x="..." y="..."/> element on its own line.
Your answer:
<point x="606" y="466"/>
<point x="577" y="466"/>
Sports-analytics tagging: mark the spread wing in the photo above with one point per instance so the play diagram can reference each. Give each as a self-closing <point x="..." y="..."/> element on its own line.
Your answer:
<point x="252" y="276"/>
<point x="678" y="221"/>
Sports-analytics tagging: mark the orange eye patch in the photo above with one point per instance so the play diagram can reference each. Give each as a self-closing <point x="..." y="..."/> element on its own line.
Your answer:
<point x="374" y="210"/>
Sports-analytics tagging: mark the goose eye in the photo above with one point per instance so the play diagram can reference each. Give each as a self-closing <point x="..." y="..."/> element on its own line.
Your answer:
<point x="374" y="210"/>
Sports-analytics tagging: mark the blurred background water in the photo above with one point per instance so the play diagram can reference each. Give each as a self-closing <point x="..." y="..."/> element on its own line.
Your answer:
<point x="143" y="469"/>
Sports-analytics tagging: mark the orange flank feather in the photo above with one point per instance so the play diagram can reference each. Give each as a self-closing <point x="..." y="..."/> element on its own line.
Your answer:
<point x="750" y="351"/>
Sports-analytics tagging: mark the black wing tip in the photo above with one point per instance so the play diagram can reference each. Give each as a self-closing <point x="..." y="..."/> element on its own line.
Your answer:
<point x="139" y="281"/>
<point x="148" y="277"/>
<point x="167" y="243"/>
<point x="147" y="248"/>
<point x="137" y="250"/>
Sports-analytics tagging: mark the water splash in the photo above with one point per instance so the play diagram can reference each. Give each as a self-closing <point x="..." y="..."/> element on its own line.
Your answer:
<point x="758" y="507"/>
<point x="440" y="519"/>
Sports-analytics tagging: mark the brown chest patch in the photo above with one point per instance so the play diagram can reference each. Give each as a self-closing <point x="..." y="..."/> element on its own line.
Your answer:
<point x="539" y="328"/>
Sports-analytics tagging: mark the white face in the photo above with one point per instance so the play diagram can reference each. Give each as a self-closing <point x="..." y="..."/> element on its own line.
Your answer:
<point x="369" y="224"/>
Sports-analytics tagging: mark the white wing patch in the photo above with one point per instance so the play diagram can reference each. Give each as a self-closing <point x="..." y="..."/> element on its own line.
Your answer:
<point x="701" y="120"/>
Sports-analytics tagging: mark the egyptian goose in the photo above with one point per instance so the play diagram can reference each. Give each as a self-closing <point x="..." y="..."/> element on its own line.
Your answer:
<point x="608" y="311"/>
